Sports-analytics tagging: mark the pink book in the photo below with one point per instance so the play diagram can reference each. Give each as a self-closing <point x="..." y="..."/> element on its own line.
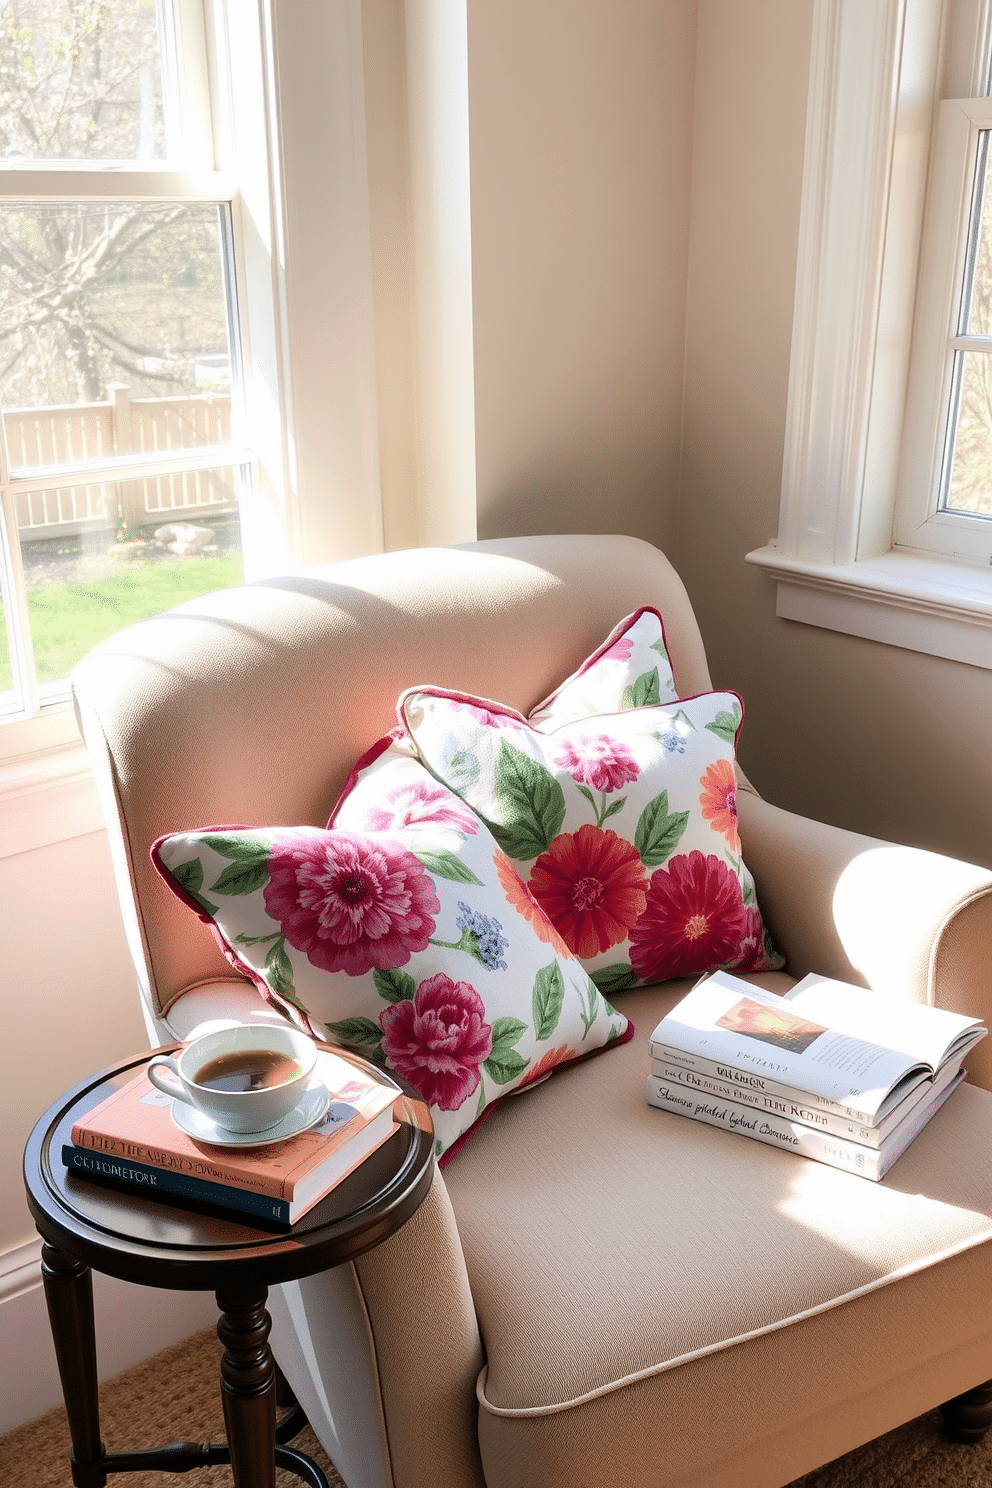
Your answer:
<point x="135" y="1124"/>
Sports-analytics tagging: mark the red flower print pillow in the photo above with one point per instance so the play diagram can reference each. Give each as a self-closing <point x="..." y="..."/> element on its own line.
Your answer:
<point x="623" y="827"/>
<point x="630" y="669"/>
<point x="406" y="932"/>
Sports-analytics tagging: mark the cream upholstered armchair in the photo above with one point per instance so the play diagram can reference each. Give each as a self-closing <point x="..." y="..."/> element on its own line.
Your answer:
<point x="595" y="1292"/>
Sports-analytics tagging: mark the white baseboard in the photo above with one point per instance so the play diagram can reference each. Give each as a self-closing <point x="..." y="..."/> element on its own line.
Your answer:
<point x="132" y="1323"/>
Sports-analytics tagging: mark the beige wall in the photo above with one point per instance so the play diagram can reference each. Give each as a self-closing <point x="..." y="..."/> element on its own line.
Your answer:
<point x="67" y="993"/>
<point x="580" y="141"/>
<point x="871" y="737"/>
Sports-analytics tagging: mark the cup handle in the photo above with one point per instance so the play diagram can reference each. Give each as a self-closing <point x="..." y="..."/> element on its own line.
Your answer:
<point x="155" y="1070"/>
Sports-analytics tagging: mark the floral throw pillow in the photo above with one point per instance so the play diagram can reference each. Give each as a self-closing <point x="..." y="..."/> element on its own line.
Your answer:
<point x="630" y="669"/>
<point x="624" y="827"/>
<point x="406" y="931"/>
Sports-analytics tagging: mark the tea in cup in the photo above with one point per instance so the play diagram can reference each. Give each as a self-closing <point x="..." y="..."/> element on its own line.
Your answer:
<point x="245" y="1079"/>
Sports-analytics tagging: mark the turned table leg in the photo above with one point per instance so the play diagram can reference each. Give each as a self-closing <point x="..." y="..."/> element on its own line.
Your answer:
<point x="248" y="1386"/>
<point x="69" y="1298"/>
<point x="968" y="1416"/>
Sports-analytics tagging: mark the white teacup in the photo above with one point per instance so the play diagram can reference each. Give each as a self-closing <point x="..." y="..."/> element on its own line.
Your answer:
<point x="245" y="1078"/>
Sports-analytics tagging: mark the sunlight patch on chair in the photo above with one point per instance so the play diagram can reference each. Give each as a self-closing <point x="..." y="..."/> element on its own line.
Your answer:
<point x="887" y="905"/>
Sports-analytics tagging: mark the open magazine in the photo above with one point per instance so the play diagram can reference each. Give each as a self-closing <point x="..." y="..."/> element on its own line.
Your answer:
<point x="838" y="1047"/>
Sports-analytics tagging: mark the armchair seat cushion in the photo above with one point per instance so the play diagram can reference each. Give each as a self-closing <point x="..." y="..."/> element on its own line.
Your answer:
<point x="657" y="1261"/>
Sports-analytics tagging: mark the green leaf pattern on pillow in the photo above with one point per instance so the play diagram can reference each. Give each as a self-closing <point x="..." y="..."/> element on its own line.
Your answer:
<point x="623" y="825"/>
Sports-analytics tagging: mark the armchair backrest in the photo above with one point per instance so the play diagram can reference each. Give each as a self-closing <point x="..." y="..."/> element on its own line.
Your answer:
<point x="250" y="706"/>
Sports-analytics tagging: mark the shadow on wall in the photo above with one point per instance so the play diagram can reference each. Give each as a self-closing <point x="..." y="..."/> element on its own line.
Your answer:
<point x="634" y="493"/>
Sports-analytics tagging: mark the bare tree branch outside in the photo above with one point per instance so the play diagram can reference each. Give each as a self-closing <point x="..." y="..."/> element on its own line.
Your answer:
<point x="93" y="294"/>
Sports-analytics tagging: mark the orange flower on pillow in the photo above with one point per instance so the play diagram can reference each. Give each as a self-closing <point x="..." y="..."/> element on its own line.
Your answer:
<point x="719" y="800"/>
<point x="523" y="901"/>
<point x="550" y="1060"/>
<point x="592" y="886"/>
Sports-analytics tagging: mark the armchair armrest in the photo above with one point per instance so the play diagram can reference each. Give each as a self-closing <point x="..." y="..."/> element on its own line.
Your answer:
<point x="897" y="919"/>
<point x="427" y="1349"/>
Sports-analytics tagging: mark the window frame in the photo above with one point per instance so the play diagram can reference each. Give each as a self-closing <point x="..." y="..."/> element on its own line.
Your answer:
<point x="876" y="73"/>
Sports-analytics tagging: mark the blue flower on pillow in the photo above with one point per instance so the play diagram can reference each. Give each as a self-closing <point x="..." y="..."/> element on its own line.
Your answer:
<point x="482" y="937"/>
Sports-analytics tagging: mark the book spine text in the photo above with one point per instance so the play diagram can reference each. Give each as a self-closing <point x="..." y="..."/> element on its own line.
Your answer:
<point x="791" y="1108"/>
<point x="776" y="1132"/>
<point x="142" y="1177"/>
<point x="750" y="1080"/>
<point x="207" y="1170"/>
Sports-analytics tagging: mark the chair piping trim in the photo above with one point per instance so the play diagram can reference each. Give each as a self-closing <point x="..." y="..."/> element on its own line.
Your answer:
<point x="650" y="1370"/>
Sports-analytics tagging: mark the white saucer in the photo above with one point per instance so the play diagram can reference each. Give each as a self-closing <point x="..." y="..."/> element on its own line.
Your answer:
<point x="311" y="1108"/>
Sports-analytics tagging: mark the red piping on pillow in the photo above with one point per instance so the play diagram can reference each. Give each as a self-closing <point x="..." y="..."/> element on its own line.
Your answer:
<point x="484" y="705"/>
<point x="368" y="758"/>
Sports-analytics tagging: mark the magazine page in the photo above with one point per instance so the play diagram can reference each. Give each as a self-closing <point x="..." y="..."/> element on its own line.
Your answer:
<point x="730" y="1021"/>
<point x="915" y="1029"/>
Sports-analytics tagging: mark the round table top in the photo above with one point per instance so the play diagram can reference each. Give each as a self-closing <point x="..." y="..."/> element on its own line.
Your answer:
<point x="156" y="1242"/>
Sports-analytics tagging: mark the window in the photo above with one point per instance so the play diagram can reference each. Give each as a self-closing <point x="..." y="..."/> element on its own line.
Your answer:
<point x="248" y="141"/>
<point x="885" y="522"/>
<point x="327" y="228"/>
<point x="123" y="470"/>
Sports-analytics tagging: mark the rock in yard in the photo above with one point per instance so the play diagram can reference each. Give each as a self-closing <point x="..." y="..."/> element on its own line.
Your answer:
<point x="183" y="538"/>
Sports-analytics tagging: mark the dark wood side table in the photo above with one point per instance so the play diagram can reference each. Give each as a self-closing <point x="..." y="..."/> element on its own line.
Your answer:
<point x="87" y="1225"/>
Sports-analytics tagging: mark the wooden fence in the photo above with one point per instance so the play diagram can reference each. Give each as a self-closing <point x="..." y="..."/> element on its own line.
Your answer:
<point x="90" y="431"/>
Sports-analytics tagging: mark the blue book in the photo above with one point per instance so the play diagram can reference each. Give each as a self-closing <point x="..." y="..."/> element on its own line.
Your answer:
<point x="167" y="1183"/>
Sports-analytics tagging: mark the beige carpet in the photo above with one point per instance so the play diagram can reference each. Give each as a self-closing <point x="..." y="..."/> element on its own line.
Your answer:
<point x="175" y="1396"/>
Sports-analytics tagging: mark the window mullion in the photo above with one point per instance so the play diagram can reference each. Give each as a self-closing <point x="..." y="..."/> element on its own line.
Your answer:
<point x="15" y="592"/>
<point x="110" y="183"/>
<point x="189" y="124"/>
<point x="130" y="467"/>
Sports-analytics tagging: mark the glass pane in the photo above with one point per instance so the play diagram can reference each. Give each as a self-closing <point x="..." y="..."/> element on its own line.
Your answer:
<point x="113" y="329"/>
<point x="978" y="292"/>
<point x="81" y="80"/>
<point x="183" y="539"/>
<point x="969" y="488"/>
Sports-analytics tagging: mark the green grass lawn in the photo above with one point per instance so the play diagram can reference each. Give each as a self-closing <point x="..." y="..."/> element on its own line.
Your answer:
<point x="67" y="620"/>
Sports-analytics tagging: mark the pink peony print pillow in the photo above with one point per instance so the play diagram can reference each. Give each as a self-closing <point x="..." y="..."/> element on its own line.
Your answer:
<point x="405" y="931"/>
<point x="623" y="827"/>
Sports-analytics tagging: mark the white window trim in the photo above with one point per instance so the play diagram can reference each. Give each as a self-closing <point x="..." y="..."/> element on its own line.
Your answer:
<point x="871" y="91"/>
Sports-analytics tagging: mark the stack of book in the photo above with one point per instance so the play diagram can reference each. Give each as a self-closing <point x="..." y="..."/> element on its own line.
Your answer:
<point x="831" y="1071"/>
<point x="130" y="1139"/>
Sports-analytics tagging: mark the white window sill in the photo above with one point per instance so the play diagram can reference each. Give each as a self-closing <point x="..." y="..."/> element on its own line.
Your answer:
<point x="46" y="797"/>
<point x="933" y="605"/>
